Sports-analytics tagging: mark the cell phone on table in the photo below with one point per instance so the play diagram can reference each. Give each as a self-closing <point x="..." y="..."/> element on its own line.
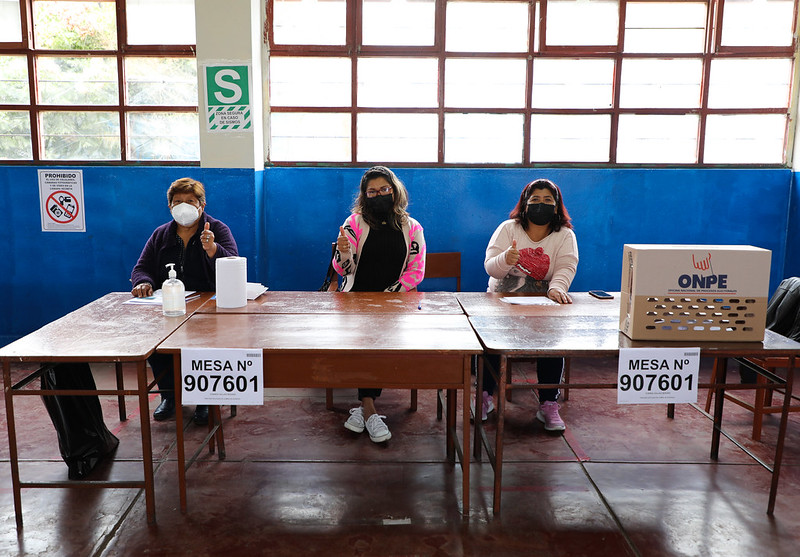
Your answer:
<point x="601" y="294"/>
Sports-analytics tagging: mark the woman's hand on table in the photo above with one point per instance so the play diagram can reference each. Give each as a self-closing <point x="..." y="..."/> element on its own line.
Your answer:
<point x="559" y="296"/>
<point x="142" y="290"/>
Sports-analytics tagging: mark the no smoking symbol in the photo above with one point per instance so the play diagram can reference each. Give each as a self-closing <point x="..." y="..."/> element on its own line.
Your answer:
<point x="62" y="207"/>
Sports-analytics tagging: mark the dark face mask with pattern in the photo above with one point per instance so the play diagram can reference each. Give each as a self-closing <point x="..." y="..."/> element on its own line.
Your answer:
<point x="379" y="206"/>
<point x="540" y="213"/>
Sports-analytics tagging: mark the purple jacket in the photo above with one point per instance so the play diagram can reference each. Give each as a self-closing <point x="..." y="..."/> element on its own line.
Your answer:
<point x="197" y="270"/>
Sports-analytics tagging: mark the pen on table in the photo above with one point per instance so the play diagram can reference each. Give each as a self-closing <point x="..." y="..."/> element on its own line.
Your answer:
<point x="419" y="306"/>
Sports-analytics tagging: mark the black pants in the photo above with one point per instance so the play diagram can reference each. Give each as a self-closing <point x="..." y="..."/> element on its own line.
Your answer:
<point x="166" y="383"/>
<point x="369" y="393"/>
<point x="548" y="371"/>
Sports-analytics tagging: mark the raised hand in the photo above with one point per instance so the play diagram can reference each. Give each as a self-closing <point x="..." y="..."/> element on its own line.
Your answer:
<point x="342" y="243"/>
<point x="512" y="254"/>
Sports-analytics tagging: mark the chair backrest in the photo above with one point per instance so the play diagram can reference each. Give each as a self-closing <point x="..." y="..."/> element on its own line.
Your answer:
<point x="444" y="265"/>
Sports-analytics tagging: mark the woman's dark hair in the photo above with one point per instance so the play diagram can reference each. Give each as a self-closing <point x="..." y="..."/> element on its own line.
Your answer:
<point x="399" y="214"/>
<point x="561" y="218"/>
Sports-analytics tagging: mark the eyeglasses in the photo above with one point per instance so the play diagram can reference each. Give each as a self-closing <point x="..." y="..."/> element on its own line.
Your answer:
<point x="194" y="203"/>
<point x="385" y="190"/>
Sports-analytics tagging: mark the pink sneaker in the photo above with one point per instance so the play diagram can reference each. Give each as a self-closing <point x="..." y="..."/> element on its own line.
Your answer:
<point x="488" y="406"/>
<point x="548" y="415"/>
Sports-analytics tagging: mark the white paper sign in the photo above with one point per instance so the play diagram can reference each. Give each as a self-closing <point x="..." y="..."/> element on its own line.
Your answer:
<point x="657" y="375"/>
<point x="222" y="376"/>
<point x="61" y="200"/>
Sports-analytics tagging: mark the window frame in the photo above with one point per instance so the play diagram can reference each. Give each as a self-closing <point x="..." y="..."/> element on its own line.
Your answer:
<point x="712" y="50"/>
<point x="123" y="50"/>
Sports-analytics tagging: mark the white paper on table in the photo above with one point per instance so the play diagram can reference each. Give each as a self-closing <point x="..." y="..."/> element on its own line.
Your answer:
<point x="529" y="300"/>
<point x="157" y="300"/>
<point x="255" y="289"/>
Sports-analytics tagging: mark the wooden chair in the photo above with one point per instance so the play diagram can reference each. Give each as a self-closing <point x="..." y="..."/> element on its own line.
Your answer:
<point x="437" y="265"/>
<point x="783" y="317"/>
<point x="440" y="265"/>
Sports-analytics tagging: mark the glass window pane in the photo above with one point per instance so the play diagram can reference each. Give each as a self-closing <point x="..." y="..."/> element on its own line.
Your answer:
<point x="160" y="21"/>
<point x="487" y="26"/>
<point x="483" y="138"/>
<point x="582" y="22"/>
<point x="570" y="137"/>
<point x="80" y="136"/>
<point x="161" y="81"/>
<point x="745" y="138"/>
<point x="300" y="136"/>
<point x="757" y="23"/>
<point x="484" y="83"/>
<point x="661" y="83"/>
<point x="321" y="22"/>
<point x="572" y="83"/>
<point x="15" y="135"/>
<point x="398" y="22"/>
<point x="393" y="82"/>
<point x="161" y="136"/>
<point x="309" y="81"/>
<point x="750" y="83"/>
<point x="657" y="138"/>
<point x="84" y="81"/>
<point x="14" y="80"/>
<point x="665" y="26"/>
<point x="10" y="22"/>
<point x="75" y="25"/>
<point x="398" y="137"/>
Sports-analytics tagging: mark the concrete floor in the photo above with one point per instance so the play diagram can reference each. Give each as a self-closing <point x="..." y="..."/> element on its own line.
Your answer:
<point x="623" y="480"/>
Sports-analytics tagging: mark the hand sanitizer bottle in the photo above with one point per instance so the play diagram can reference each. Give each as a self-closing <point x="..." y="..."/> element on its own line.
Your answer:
<point x="173" y="294"/>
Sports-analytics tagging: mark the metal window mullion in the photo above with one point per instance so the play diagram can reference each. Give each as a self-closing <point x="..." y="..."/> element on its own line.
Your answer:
<point x="353" y="40"/>
<point x="713" y="30"/>
<point x="616" y="88"/>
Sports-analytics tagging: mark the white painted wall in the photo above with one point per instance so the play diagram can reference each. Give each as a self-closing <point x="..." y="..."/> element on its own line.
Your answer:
<point x="231" y="32"/>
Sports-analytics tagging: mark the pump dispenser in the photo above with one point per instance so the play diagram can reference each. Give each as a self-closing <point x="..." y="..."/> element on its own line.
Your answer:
<point x="173" y="294"/>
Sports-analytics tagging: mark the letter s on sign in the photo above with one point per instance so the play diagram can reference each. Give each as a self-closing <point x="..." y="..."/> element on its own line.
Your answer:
<point x="233" y="87"/>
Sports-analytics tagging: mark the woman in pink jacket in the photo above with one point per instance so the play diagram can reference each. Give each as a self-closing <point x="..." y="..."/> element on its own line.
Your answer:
<point x="380" y="249"/>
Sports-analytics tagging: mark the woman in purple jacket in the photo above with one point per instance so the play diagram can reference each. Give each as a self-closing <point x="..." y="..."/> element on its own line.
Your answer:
<point x="193" y="241"/>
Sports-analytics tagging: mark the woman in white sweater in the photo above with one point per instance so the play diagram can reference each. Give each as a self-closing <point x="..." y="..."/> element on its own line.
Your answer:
<point x="534" y="251"/>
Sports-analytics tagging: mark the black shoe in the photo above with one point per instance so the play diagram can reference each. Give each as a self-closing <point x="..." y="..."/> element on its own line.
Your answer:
<point x="200" y="415"/>
<point x="165" y="410"/>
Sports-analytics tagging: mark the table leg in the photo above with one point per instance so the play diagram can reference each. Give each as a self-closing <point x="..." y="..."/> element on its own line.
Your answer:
<point x="176" y="365"/>
<point x="147" y="442"/>
<point x="498" y="451"/>
<point x="465" y="456"/>
<point x="123" y="414"/>
<point x="451" y="425"/>
<point x="12" y="443"/>
<point x="477" y="440"/>
<point x="776" y="467"/>
<point x="720" y="377"/>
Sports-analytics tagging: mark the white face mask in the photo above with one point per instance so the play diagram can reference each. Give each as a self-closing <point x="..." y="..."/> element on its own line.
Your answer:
<point x="185" y="214"/>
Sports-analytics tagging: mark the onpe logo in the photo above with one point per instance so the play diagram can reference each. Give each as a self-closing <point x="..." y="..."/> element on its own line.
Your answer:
<point x="703" y="281"/>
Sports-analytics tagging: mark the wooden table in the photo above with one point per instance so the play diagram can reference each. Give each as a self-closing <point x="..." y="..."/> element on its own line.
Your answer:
<point x="574" y="332"/>
<point x="367" y="340"/>
<point x="105" y="330"/>
<point x="345" y="302"/>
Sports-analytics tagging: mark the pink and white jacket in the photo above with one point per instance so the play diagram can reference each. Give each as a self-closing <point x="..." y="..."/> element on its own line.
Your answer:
<point x="357" y="230"/>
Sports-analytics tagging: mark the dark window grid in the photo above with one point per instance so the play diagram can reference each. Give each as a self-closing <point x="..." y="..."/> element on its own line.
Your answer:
<point x="26" y="48"/>
<point x="713" y="50"/>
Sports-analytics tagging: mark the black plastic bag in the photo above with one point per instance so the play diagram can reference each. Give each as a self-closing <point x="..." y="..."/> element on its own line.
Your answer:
<point x="83" y="437"/>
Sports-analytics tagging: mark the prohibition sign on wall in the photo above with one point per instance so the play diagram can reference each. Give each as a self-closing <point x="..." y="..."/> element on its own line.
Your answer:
<point x="61" y="200"/>
<point x="62" y="207"/>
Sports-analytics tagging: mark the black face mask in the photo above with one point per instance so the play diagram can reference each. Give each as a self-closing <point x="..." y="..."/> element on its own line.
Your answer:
<point x="540" y="213"/>
<point x="379" y="206"/>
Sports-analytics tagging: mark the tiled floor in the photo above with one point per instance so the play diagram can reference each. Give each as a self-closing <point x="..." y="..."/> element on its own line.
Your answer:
<point x="624" y="480"/>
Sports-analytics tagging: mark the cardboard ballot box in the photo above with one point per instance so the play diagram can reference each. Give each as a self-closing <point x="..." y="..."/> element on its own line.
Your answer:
<point x="694" y="292"/>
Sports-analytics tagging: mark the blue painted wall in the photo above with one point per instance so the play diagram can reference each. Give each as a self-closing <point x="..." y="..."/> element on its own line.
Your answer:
<point x="48" y="274"/>
<point x="460" y="208"/>
<point x="284" y="220"/>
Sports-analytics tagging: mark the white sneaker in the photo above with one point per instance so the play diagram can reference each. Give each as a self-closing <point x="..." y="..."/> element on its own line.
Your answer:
<point x="356" y="420"/>
<point x="378" y="432"/>
<point x="488" y="406"/>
